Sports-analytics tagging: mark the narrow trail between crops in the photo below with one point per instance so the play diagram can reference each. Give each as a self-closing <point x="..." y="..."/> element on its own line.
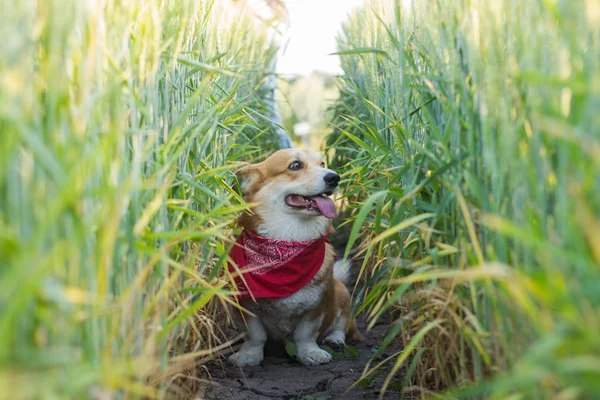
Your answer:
<point x="282" y="377"/>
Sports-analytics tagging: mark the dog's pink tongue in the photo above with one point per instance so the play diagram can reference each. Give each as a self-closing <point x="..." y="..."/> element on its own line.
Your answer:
<point x="326" y="206"/>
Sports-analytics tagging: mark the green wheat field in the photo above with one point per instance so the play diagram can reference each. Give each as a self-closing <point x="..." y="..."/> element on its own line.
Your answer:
<point x="467" y="134"/>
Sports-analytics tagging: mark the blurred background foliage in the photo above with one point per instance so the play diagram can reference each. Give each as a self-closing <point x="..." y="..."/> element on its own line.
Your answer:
<point x="467" y="133"/>
<point x="308" y="99"/>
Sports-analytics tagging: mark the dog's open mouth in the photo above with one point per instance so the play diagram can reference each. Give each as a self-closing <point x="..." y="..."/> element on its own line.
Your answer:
<point x="319" y="203"/>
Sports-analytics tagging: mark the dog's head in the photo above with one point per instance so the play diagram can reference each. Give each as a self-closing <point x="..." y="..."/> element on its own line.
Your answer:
<point x="291" y="190"/>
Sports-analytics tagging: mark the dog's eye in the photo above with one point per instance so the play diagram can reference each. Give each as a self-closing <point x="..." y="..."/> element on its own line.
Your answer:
<point x="295" y="166"/>
<point x="322" y="165"/>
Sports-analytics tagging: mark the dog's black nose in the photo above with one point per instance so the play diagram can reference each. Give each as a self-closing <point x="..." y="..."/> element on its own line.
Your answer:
<point x="332" y="179"/>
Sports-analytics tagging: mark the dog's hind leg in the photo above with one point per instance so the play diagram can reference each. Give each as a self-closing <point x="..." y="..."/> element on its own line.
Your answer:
<point x="337" y="336"/>
<point x="342" y="330"/>
<point x="252" y="352"/>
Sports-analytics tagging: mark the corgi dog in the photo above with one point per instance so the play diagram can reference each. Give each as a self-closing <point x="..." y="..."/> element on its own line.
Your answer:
<point x="284" y="263"/>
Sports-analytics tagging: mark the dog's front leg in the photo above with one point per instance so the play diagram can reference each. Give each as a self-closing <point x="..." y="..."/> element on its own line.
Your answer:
<point x="252" y="352"/>
<point x="305" y="336"/>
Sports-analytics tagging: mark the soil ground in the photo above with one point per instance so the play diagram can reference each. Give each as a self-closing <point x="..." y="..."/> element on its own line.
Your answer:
<point x="282" y="377"/>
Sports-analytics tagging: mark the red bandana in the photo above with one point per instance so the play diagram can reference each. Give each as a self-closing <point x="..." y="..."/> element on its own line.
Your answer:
<point x="274" y="268"/>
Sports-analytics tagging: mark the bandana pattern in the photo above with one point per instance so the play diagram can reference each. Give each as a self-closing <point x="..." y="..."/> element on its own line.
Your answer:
<point x="274" y="268"/>
<point x="266" y="255"/>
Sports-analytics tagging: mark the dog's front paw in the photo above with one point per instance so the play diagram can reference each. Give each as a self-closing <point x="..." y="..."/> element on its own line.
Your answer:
<point x="247" y="357"/>
<point x="314" y="356"/>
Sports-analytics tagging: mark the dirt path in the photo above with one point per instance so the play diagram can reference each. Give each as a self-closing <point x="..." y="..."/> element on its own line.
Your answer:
<point x="281" y="377"/>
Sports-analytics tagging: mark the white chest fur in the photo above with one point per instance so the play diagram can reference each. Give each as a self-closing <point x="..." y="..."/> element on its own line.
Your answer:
<point x="280" y="317"/>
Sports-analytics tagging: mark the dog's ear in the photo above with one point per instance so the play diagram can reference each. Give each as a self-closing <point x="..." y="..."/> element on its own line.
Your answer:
<point x="247" y="176"/>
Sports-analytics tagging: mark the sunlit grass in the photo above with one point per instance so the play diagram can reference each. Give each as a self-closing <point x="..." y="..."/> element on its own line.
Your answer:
<point x="468" y="133"/>
<point x="120" y="123"/>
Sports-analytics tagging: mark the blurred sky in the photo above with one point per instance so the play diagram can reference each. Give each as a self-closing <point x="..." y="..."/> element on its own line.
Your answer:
<point x="314" y="25"/>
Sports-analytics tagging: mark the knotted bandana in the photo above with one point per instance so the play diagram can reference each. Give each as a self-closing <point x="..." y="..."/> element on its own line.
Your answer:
<point x="274" y="268"/>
